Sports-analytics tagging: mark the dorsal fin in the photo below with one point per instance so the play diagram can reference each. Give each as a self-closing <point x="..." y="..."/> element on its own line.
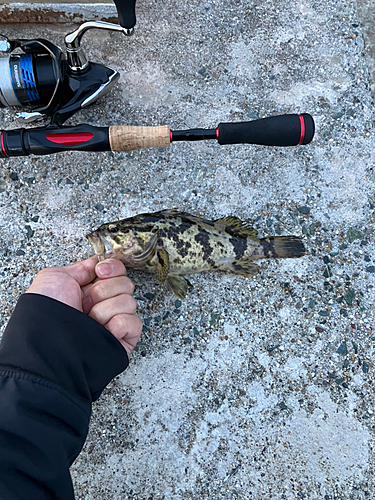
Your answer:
<point x="235" y="227"/>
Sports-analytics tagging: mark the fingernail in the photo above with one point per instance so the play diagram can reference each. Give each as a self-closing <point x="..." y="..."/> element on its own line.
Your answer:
<point x="87" y="304"/>
<point x="105" y="269"/>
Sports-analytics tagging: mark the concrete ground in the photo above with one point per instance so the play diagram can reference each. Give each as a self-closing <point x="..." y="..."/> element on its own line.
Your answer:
<point x="257" y="388"/>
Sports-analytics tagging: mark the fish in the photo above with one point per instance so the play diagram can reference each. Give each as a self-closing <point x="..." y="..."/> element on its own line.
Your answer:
<point x="171" y="244"/>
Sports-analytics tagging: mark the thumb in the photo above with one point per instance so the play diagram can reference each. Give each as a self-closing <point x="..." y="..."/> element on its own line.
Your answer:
<point x="83" y="272"/>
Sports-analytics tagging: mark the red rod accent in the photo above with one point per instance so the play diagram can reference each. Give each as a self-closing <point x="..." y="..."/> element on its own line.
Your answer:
<point x="2" y="144"/>
<point x="70" y="139"/>
<point x="302" y="122"/>
<point x="170" y="136"/>
<point x="217" y="133"/>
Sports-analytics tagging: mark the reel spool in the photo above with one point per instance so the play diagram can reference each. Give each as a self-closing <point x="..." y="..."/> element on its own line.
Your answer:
<point x="29" y="79"/>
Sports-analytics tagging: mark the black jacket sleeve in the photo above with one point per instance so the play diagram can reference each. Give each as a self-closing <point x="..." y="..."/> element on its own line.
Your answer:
<point x="54" y="361"/>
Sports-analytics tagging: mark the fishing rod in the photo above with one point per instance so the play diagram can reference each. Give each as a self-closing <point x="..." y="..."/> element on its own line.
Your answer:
<point x="47" y="83"/>
<point x="282" y="130"/>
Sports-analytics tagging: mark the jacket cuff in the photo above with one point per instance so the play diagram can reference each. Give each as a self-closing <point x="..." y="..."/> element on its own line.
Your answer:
<point x="63" y="345"/>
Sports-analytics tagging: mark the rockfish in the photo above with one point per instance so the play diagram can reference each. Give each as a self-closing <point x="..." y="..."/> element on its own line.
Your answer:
<point x="171" y="244"/>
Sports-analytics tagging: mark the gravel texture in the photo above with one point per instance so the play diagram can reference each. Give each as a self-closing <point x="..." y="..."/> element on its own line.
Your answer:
<point x="249" y="388"/>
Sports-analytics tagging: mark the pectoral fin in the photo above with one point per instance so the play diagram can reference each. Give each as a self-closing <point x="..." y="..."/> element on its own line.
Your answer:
<point x="178" y="285"/>
<point x="243" y="268"/>
<point x="162" y="267"/>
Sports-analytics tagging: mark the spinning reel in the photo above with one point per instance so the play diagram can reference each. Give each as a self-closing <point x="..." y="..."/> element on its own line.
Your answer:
<point x="46" y="83"/>
<point x="49" y="84"/>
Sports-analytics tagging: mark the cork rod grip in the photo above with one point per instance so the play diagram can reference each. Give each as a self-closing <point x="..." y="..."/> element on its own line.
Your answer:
<point x="126" y="138"/>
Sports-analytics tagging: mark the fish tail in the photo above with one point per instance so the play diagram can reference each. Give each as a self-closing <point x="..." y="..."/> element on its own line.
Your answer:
<point x="282" y="247"/>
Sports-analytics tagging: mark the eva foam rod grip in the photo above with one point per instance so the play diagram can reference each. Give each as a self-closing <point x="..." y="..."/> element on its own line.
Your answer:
<point x="128" y="138"/>
<point x="283" y="130"/>
<point x="126" y="13"/>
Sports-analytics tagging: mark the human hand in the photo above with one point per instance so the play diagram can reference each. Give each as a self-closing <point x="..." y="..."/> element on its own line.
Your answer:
<point x="100" y="290"/>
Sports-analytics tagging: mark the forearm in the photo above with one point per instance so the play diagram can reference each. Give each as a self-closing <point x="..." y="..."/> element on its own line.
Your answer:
<point x="42" y="429"/>
<point x="54" y="361"/>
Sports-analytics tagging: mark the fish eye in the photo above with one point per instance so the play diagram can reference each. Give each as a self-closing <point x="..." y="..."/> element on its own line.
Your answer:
<point x="113" y="229"/>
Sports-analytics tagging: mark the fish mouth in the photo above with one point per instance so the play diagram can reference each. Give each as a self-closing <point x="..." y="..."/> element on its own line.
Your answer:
<point x="102" y="248"/>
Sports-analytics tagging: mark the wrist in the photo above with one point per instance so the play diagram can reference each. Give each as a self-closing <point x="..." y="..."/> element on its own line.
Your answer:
<point x="61" y="344"/>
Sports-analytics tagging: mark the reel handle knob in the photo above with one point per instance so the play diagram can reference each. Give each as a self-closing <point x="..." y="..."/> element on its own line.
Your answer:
<point x="126" y="14"/>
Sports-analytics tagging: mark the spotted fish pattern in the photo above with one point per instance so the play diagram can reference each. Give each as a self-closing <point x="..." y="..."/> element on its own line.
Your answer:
<point x="171" y="244"/>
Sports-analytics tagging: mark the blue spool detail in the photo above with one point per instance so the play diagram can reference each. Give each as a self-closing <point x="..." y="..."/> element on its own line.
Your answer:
<point x="26" y="66"/>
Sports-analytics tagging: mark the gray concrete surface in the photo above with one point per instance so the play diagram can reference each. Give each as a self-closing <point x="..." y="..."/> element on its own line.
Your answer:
<point x="366" y="15"/>
<point x="249" y="388"/>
